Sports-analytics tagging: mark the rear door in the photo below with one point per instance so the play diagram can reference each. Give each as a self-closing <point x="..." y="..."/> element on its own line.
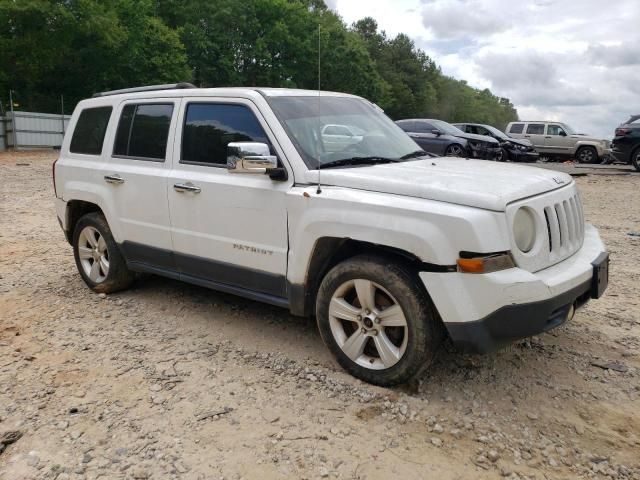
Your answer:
<point x="137" y="170"/>
<point x="535" y="133"/>
<point x="229" y="230"/>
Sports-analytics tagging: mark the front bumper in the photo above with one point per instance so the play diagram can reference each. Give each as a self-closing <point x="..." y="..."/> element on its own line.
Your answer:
<point x="521" y="156"/>
<point x="484" y="312"/>
<point x="483" y="152"/>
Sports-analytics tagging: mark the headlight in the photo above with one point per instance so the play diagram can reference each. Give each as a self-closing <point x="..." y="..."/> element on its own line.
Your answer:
<point x="524" y="229"/>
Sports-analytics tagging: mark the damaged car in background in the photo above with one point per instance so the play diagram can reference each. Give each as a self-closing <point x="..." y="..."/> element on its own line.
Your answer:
<point x="442" y="138"/>
<point x="626" y="143"/>
<point x="513" y="149"/>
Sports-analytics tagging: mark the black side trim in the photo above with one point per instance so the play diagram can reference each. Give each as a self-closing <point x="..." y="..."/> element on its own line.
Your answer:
<point x="229" y="274"/>
<point x="138" y="254"/>
<point x="225" y="277"/>
<point x="514" y="322"/>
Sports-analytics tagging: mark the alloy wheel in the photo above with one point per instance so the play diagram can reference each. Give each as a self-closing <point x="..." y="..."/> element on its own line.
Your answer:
<point x="454" y="151"/>
<point x="368" y="324"/>
<point x="586" y="155"/>
<point x="93" y="254"/>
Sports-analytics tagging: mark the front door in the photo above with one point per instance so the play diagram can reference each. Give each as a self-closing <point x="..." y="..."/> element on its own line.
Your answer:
<point x="557" y="140"/>
<point x="229" y="230"/>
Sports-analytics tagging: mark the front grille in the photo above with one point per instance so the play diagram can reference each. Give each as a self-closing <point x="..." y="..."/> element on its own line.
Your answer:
<point x="560" y="221"/>
<point x="565" y="225"/>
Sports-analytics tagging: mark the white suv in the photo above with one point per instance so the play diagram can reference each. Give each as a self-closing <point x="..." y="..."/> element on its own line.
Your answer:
<point x="389" y="248"/>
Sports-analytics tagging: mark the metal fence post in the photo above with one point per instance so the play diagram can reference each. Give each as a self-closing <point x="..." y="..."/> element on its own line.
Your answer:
<point x="13" y="122"/>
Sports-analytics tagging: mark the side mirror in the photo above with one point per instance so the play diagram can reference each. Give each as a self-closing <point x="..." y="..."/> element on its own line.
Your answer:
<point x="436" y="132"/>
<point x="563" y="133"/>
<point x="250" y="157"/>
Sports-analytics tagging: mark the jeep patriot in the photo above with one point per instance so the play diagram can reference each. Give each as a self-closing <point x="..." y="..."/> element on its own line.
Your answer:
<point x="244" y="190"/>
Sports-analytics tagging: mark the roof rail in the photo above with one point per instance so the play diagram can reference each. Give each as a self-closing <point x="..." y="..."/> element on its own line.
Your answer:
<point x="148" y="88"/>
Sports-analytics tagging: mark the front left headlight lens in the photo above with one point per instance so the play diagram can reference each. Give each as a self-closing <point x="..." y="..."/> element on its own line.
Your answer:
<point x="524" y="229"/>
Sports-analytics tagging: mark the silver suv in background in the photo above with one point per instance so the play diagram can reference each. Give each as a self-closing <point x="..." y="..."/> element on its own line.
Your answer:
<point x="557" y="140"/>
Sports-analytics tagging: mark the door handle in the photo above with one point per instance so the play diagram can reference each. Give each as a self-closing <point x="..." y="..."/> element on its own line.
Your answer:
<point x="527" y="136"/>
<point x="547" y="137"/>
<point x="186" y="187"/>
<point x="114" y="178"/>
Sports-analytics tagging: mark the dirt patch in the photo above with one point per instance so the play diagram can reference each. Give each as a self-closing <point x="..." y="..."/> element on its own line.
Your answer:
<point x="169" y="380"/>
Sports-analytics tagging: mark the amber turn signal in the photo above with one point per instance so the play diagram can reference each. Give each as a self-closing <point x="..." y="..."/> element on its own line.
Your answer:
<point x="485" y="264"/>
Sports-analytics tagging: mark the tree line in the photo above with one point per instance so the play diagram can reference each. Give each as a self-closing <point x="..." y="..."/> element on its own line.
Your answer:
<point x="74" y="48"/>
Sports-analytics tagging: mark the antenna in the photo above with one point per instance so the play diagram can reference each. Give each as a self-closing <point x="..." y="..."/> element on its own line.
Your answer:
<point x="319" y="190"/>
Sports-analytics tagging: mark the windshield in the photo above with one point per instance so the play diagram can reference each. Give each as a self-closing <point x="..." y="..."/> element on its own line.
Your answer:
<point x="446" y="128"/>
<point x="327" y="129"/>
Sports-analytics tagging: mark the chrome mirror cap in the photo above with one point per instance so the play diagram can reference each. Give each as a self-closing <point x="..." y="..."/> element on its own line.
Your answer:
<point x="250" y="157"/>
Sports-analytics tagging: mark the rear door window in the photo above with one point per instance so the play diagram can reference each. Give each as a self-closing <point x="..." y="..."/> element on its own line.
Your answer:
<point x="516" y="128"/>
<point x="143" y="131"/>
<point x="424" y="127"/>
<point x="88" y="136"/>
<point x="210" y="127"/>
<point x="535" y="129"/>
<point x="406" y="125"/>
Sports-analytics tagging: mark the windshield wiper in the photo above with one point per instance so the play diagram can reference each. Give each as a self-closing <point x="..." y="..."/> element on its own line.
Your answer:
<point x="417" y="153"/>
<point x="358" y="161"/>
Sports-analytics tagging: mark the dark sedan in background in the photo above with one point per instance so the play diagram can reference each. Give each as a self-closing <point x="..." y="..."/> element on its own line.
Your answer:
<point x="513" y="149"/>
<point x="442" y="138"/>
<point x="625" y="146"/>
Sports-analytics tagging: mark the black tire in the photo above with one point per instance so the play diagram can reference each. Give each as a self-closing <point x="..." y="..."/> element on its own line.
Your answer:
<point x="424" y="331"/>
<point x="454" y="150"/>
<point x="635" y="158"/>
<point x="587" y="155"/>
<point x="118" y="276"/>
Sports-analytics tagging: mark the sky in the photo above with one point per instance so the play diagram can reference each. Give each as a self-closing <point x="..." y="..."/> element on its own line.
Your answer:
<point x="573" y="61"/>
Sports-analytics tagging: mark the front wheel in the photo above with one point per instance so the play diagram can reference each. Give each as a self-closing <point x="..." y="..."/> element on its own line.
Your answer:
<point x="635" y="158"/>
<point x="587" y="155"/>
<point x="454" y="150"/>
<point x="377" y="322"/>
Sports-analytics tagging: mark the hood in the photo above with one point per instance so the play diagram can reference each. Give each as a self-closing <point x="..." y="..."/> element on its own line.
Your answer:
<point x="477" y="138"/>
<point x="474" y="183"/>
<point x="584" y="136"/>
<point x="520" y="141"/>
<point x="632" y="119"/>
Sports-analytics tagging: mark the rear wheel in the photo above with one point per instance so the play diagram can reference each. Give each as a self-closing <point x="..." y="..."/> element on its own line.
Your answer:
<point x="587" y="155"/>
<point x="376" y="321"/>
<point x="98" y="258"/>
<point x="635" y="158"/>
<point x="454" y="150"/>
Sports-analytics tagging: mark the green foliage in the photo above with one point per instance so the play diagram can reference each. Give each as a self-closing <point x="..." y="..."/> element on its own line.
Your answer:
<point x="78" y="47"/>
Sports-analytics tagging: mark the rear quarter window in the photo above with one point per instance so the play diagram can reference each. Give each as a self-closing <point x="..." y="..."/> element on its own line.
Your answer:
<point x="88" y="135"/>
<point x="516" y="128"/>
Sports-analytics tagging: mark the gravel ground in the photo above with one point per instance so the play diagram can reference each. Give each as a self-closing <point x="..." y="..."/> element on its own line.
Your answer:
<point x="169" y="380"/>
